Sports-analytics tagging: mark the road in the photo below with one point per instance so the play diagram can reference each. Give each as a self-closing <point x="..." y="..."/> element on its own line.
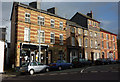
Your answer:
<point x="101" y="72"/>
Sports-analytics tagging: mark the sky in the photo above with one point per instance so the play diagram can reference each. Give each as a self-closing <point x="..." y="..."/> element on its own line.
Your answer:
<point x="105" y="12"/>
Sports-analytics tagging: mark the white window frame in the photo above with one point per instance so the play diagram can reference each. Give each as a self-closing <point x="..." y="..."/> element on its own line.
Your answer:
<point x="107" y="54"/>
<point x="27" y="19"/>
<point x="86" y="32"/>
<point x="79" y="31"/>
<point x="107" y="45"/>
<point x="52" y="38"/>
<point x="41" y="20"/>
<point x="86" y="43"/>
<point x="52" y="23"/>
<point x="113" y="38"/>
<point x="73" y="30"/>
<point x="95" y="34"/>
<point x="41" y="37"/>
<point x="96" y="44"/>
<point x="61" y="25"/>
<point x="90" y="33"/>
<point x="107" y="36"/>
<point x="91" y="43"/>
<point x="73" y="41"/>
<point x="26" y="34"/>
<point x="114" y="45"/>
<point x="61" y="40"/>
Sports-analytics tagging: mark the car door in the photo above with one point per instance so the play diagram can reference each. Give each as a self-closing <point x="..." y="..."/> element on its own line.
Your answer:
<point x="35" y="66"/>
<point x="40" y="66"/>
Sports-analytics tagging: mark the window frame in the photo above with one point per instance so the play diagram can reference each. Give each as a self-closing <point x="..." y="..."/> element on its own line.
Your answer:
<point x="51" y="23"/>
<point x="61" y="40"/>
<point x="52" y="38"/>
<point x="27" y="36"/>
<point x="61" y="25"/>
<point x="39" y="20"/>
<point x="28" y="18"/>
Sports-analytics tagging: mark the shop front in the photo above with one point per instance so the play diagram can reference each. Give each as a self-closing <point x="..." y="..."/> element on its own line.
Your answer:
<point x="30" y="53"/>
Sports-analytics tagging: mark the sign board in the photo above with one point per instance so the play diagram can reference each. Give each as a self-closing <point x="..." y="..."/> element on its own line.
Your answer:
<point x="2" y="56"/>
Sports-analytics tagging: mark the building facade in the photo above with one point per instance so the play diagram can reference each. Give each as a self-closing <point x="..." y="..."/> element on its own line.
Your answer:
<point x="108" y="45"/>
<point x="26" y="35"/>
<point x="74" y="41"/>
<point x="91" y="34"/>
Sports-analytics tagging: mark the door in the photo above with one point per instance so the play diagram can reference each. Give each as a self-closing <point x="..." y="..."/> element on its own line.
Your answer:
<point x="92" y="56"/>
<point x="49" y="59"/>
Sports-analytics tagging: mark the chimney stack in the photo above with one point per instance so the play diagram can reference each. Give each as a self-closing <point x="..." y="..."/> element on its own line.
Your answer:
<point x="52" y="10"/>
<point x="90" y="14"/>
<point x="35" y="4"/>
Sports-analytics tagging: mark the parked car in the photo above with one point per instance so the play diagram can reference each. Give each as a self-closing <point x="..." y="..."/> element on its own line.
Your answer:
<point x="60" y="64"/>
<point x="100" y="61"/>
<point x="33" y="67"/>
<point x="81" y="62"/>
<point x="118" y="61"/>
<point x="111" y="61"/>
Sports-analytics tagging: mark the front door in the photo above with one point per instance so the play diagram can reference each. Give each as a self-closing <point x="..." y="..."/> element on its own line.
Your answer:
<point x="48" y="60"/>
<point x="92" y="56"/>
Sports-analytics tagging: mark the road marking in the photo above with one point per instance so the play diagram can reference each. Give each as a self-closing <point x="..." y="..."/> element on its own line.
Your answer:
<point x="114" y="71"/>
<point x="94" y="71"/>
<point x="42" y="74"/>
<point x="53" y="74"/>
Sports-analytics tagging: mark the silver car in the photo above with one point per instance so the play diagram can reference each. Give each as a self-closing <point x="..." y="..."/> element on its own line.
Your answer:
<point x="33" y="67"/>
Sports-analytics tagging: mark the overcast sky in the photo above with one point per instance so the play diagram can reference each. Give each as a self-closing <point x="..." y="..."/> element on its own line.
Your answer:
<point x="105" y="12"/>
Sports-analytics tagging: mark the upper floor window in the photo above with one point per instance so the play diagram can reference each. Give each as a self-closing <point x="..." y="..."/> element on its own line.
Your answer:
<point x="61" y="39"/>
<point x="73" y="30"/>
<point x="79" y="31"/>
<point x="96" y="44"/>
<point x="52" y="38"/>
<point x="113" y="38"/>
<point x="91" y="43"/>
<point x="95" y="34"/>
<point x="42" y="36"/>
<point x="114" y="46"/>
<point x="102" y="35"/>
<point x="61" y="25"/>
<point x="52" y="23"/>
<point x="27" y="17"/>
<point x="86" y="43"/>
<point x="91" y="34"/>
<point x="107" y="45"/>
<point x="73" y="41"/>
<point x="80" y="41"/>
<point x="26" y="34"/>
<point x="107" y="36"/>
<point x="102" y="44"/>
<point x="90" y="22"/>
<point x="40" y="20"/>
<point x="86" y="32"/>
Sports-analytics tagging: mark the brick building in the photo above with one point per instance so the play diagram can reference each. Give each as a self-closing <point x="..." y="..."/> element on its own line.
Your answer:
<point x="108" y="44"/>
<point x="25" y="28"/>
<point x="91" y="34"/>
<point x="74" y="40"/>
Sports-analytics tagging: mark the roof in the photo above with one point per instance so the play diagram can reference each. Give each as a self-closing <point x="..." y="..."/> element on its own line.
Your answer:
<point x="39" y="10"/>
<point x="107" y="31"/>
<point x="88" y="17"/>
<point x="75" y="24"/>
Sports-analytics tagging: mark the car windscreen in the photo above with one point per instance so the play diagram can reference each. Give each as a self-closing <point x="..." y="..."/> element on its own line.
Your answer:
<point x="25" y="64"/>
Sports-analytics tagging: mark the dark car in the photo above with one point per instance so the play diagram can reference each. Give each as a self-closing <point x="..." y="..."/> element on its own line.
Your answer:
<point x="81" y="62"/>
<point x="118" y="61"/>
<point x="111" y="61"/>
<point x="60" y="64"/>
<point x="100" y="61"/>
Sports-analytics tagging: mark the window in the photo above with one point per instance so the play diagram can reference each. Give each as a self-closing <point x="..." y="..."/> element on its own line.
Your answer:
<point x="91" y="43"/>
<point x="42" y="36"/>
<point x="95" y="34"/>
<point x="52" y="23"/>
<point x="73" y="30"/>
<point x="107" y="36"/>
<point x="107" y="45"/>
<point x="102" y="44"/>
<point x="79" y="31"/>
<point x="102" y="35"/>
<point x="114" y="46"/>
<point x="40" y="20"/>
<point x="90" y="22"/>
<point x="86" y="32"/>
<point x="80" y="55"/>
<point x="113" y="38"/>
<point x="61" y="25"/>
<point x="91" y="34"/>
<point x="27" y="17"/>
<point x="96" y="44"/>
<point x="107" y="54"/>
<point x="95" y="24"/>
<point x="52" y="39"/>
<point x="26" y="34"/>
<point x="86" y="42"/>
<point x="114" y="56"/>
<point x="80" y="42"/>
<point x="73" y="41"/>
<point x="61" y="39"/>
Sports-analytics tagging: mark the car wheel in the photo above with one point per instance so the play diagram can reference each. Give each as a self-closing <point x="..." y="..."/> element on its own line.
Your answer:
<point x="47" y="70"/>
<point x="31" y="72"/>
<point x="59" y="68"/>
